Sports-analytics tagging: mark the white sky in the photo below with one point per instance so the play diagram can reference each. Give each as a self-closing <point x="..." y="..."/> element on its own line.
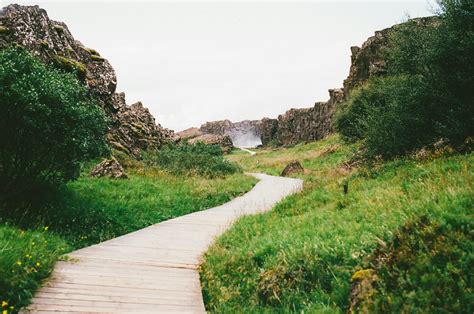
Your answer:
<point x="192" y="62"/>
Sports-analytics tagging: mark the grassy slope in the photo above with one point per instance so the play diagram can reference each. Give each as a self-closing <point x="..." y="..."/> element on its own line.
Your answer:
<point x="303" y="254"/>
<point x="91" y="210"/>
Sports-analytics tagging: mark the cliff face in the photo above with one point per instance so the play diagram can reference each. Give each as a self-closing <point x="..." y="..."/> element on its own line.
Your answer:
<point x="133" y="127"/>
<point x="245" y="133"/>
<point x="309" y="124"/>
<point x="302" y="125"/>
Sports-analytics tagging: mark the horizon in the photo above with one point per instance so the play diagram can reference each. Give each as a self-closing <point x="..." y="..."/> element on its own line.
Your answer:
<point x="192" y="62"/>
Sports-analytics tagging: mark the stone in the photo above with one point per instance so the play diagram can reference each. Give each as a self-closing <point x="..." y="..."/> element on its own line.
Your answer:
<point x="368" y="60"/>
<point x="245" y="133"/>
<point x="224" y="141"/>
<point x="189" y="134"/>
<point x="109" y="168"/>
<point x="303" y="125"/>
<point x="291" y="168"/>
<point x="133" y="127"/>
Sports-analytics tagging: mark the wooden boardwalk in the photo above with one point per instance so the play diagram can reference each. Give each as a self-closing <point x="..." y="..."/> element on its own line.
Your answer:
<point x="154" y="269"/>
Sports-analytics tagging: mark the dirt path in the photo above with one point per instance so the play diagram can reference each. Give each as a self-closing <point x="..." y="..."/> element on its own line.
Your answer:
<point x="153" y="269"/>
<point x="247" y="150"/>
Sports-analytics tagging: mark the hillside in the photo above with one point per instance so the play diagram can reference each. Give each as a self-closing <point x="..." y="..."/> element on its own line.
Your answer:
<point x="398" y="241"/>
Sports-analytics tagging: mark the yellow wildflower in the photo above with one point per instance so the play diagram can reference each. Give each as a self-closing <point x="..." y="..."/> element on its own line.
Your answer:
<point x="38" y="264"/>
<point x="4" y="303"/>
<point x="46" y="228"/>
<point x="4" y="312"/>
<point x="18" y="263"/>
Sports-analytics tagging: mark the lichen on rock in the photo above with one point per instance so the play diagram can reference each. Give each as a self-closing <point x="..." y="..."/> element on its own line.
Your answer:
<point x="109" y="168"/>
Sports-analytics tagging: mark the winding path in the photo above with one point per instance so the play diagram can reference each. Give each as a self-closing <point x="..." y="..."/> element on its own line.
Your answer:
<point x="154" y="269"/>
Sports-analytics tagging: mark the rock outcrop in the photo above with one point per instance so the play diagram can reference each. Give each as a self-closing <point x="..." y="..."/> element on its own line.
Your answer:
<point x="189" y="133"/>
<point x="309" y="124"/>
<point x="302" y="125"/>
<point x="194" y="135"/>
<point x="291" y="168"/>
<point x="224" y="141"/>
<point x="109" y="168"/>
<point x="133" y="127"/>
<point x="245" y="133"/>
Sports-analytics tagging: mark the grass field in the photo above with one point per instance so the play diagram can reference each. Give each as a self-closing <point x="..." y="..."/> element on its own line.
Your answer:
<point x="402" y="236"/>
<point x="91" y="210"/>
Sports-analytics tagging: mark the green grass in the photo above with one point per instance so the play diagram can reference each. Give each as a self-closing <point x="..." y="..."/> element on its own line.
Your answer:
<point x="302" y="255"/>
<point x="91" y="210"/>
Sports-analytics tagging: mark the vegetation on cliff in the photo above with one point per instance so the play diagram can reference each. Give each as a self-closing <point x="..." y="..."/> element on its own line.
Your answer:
<point x="49" y="125"/>
<point x="425" y="95"/>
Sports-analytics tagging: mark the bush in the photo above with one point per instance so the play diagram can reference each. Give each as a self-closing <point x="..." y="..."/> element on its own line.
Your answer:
<point x="48" y="126"/>
<point x="391" y="115"/>
<point x="426" y="95"/>
<point x="198" y="159"/>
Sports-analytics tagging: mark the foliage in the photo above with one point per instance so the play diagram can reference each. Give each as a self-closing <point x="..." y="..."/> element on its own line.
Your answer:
<point x="26" y="258"/>
<point x="426" y="95"/>
<point x="302" y="255"/>
<point x="198" y="159"/>
<point x="427" y="265"/>
<point x="48" y="125"/>
<point x="90" y="210"/>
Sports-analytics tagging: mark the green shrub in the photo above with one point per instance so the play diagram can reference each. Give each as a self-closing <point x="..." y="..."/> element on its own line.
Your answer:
<point x="392" y="116"/>
<point x="199" y="159"/>
<point x="352" y="116"/>
<point x="48" y="126"/>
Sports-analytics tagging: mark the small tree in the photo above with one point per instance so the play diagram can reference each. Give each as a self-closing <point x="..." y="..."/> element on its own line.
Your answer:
<point x="48" y="125"/>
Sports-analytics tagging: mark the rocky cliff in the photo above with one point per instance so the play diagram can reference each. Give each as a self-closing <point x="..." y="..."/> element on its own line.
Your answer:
<point x="309" y="124"/>
<point x="133" y="127"/>
<point x="245" y="133"/>
<point x="302" y="125"/>
<point x="368" y="60"/>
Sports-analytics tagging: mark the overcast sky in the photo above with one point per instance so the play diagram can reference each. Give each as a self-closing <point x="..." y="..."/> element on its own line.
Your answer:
<point x="192" y="62"/>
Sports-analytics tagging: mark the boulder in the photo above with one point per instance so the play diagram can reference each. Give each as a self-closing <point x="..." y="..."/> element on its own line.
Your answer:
<point x="224" y="141"/>
<point x="189" y="133"/>
<point x="291" y="168"/>
<point x="109" y="168"/>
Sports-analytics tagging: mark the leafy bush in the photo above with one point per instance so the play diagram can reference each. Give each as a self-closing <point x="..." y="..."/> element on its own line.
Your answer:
<point x="198" y="159"/>
<point x="48" y="126"/>
<point x="391" y="115"/>
<point x="426" y="95"/>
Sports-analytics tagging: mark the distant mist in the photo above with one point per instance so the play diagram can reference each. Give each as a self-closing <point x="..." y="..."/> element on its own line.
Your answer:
<point x="245" y="139"/>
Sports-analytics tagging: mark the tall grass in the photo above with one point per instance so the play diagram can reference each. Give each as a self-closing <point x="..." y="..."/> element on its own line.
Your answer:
<point x="302" y="255"/>
<point x="91" y="210"/>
